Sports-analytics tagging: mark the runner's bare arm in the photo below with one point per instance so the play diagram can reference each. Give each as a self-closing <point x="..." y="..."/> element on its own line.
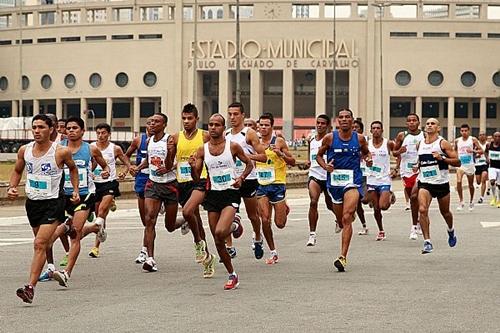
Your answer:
<point x="206" y="136"/>
<point x="283" y="152"/>
<point x="171" y="150"/>
<point x="67" y="159"/>
<point x="253" y="140"/>
<point x="133" y="146"/>
<point x="365" y="152"/>
<point x="477" y="147"/>
<point x="451" y="157"/>
<point x="96" y="154"/>
<point x="15" y="176"/>
<point x="196" y="163"/>
<point x="124" y="159"/>
<point x="238" y="152"/>
<point x="325" y="144"/>
<point x="134" y="169"/>
<point x="398" y="142"/>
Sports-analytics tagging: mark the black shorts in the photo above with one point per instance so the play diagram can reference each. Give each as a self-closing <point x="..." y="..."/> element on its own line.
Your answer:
<point x="107" y="188"/>
<point x="436" y="190"/>
<point x="480" y="169"/>
<point x="45" y="211"/>
<point x="87" y="202"/>
<point x="167" y="193"/>
<point x="216" y="201"/>
<point x="249" y="188"/>
<point x="186" y="188"/>
<point x="321" y="183"/>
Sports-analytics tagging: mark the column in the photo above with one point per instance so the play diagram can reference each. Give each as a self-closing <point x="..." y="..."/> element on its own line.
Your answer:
<point x="386" y="111"/>
<point x="320" y="91"/>
<point x="418" y="106"/>
<point x="288" y="96"/>
<point x="482" y="114"/>
<point x="83" y="109"/>
<point x="137" y="114"/>
<point x="36" y="107"/>
<point x="451" y="119"/>
<point x="354" y="94"/>
<point x="224" y="91"/>
<point x="15" y="108"/>
<point x="109" y="110"/>
<point x="255" y="93"/>
<point x="59" y="108"/>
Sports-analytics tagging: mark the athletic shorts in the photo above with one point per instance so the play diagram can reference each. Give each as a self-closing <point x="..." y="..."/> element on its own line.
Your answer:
<point x="274" y="192"/>
<point x="107" y="188"/>
<point x="249" y="188"/>
<point x="494" y="174"/>
<point x="363" y="185"/>
<point x="216" y="201"/>
<point x="164" y="192"/>
<point x="409" y="182"/>
<point x="379" y="188"/>
<point x="140" y="184"/>
<point x="186" y="188"/>
<point x="337" y="193"/>
<point x="87" y="202"/>
<point x="481" y="168"/>
<point x="45" y="211"/>
<point x="469" y="170"/>
<point x="436" y="190"/>
<point x="321" y="183"/>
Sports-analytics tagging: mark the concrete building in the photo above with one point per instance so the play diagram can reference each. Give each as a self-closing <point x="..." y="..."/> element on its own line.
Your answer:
<point x="124" y="60"/>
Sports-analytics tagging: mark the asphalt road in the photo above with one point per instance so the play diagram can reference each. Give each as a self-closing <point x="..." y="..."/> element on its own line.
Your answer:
<point x="388" y="286"/>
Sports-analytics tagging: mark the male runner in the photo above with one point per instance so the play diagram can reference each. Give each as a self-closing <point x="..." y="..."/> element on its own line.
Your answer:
<point x="317" y="177"/>
<point x="61" y="129"/>
<point x="223" y="198"/>
<point x="493" y="154"/>
<point x="406" y="147"/>
<point x="359" y="127"/>
<point x="344" y="149"/>
<point x="44" y="161"/>
<point x="106" y="190"/>
<point x="379" y="174"/>
<point x="482" y="166"/>
<point x="466" y="146"/>
<point x="249" y="122"/>
<point x="435" y="154"/>
<point x="272" y="182"/>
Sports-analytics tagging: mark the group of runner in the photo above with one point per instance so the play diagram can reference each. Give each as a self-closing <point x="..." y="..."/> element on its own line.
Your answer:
<point x="67" y="180"/>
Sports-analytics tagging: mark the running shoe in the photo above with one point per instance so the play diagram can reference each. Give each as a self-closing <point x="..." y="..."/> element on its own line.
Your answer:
<point x="185" y="228"/>
<point x="232" y="282"/>
<point x="150" y="265"/>
<point x="312" y="240"/>
<point x="258" y="249"/>
<point x="231" y="251"/>
<point x="471" y="207"/>
<point x="452" y="239"/>
<point x="46" y="276"/>
<point x="493" y="202"/>
<point x="91" y="217"/>
<point x="209" y="266"/>
<point x="113" y="206"/>
<point x="480" y="200"/>
<point x="427" y="247"/>
<point x="201" y="251"/>
<point x="380" y="236"/>
<point x="273" y="259"/>
<point x="498" y="204"/>
<point x="102" y="235"/>
<point x="407" y="208"/>
<point x="94" y="252"/>
<point x="62" y="277"/>
<point x="419" y="229"/>
<point x="413" y="234"/>
<point x="338" y="229"/>
<point x="340" y="263"/>
<point x="237" y="226"/>
<point x="141" y="258"/>
<point x="363" y="231"/>
<point x="393" y="198"/>
<point x="64" y="261"/>
<point x="460" y="207"/>
<point x="162" y="209"/>
<point x="26" y="294"/>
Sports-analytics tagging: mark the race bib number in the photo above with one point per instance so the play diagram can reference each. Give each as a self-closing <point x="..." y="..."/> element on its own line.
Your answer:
<point x="430" y="173"/>
<point x="39" y="184"/>
<point x="240" y="166"/>
<point x="265" y="175"/>
<point x="184" y="171"/>
<point x="376" y="171"/>
<point x="481" y="160"/>
<point x="494" y="155"/>
<point x="97" y="173"/>
<point x="341" y="177"/>
<point x="82" y="178"/>
<point x="314" y="163"/>
<point x="221" y="179"/>
<point x="466" y="159"/>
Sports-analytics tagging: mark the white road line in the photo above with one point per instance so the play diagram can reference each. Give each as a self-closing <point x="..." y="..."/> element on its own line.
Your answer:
<point x="490" y="224"/>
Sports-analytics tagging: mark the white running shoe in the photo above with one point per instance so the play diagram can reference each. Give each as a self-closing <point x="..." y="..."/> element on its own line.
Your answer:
<point x="363" y="231"/>
<point x="419" y="229"/>
<point x="407" y="208"/>
<point x="102" y="235"/>
<point x="413" y="234"/>
<point x="62" y="277"/>
<point x="150" y="265"/>
<point x="471" y="207"/>
<point x="185" y="228"/>
<point x="460" y="207"/>
<point x="162" y="209"/>
<point x="312" y="240"/>
<point x="338" y="229"/>
<point x="141" y="258"/>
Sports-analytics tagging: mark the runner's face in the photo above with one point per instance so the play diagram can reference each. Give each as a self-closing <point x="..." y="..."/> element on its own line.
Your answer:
<point x="482" y="137"/>
<point x="321" y="125"/>
<point x="61" y="127"/>
<point x="412" y="123"/>
<point x="464" y="131"/>
<point x="149" y="131"/>
<point x="376" y="131"/>
<point x="265" y="127"/>
<point x="41" y="131"/>
<point x="102" y="135"/>
<point x="215" y="127"/>
<point x="157" y="124"/>
<point x="189" y="121"/>
<point x="251" y="124"/>
<point x="236" y="117"/>
<point x="345" y="120"/>
<point x="357" y="128"/>
<point x="496" y="138"/>
<point x="74" y="131"/>
<point x="432" y="126"/>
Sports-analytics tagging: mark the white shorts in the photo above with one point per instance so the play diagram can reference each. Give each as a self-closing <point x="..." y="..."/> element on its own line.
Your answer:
<point x="494" y="174"/>
<point x="469" y="170"/>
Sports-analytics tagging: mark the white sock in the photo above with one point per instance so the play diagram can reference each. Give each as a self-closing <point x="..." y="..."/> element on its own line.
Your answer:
<point x="452" y="229"/>
<point x="144" y="249"/>
<point x="312" y="233"/>
<point x="414" y="227"/>
<point x="274" y="252"/>
<point x="427" y="240"/>
<point x="99" y="221"/>
<point x="51" y="267"/>
<point x="233" y="273"/>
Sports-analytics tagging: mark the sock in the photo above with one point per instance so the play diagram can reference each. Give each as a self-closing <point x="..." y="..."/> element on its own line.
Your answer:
<point x="312" y="233"/>
<point x="414" y="228"/>
<point x="427" y="240"/>
<point x="99" y="221"/>
<point x="144" y="249"/>
<point x="451" y="230"/>
<point x="51" y="267"/>
<point x="233" y="273"/>
<point x="274" y="252"/>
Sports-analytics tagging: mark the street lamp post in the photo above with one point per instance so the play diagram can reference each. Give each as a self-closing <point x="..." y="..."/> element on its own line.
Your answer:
<point x="195" y="55"/>
<point x="238" y="57"/>
<point x="334" y="77"/>
<point x="90" y="111"/>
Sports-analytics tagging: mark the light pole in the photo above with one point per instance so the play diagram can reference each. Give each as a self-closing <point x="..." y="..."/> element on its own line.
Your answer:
<point x="195" y="55"/>
<point x="238" y="71"/>
<point x="334" y="78"/>
<point x="90" y="111"/>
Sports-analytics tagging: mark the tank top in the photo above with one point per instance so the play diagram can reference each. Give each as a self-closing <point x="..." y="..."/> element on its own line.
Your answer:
<point x="379" y="172"/>
<point x="432" y="171"/>
<point x="364" y="168"/>
<point x="220" y="168"/>
<point x="316" y="170"/>
<point x="494" y="155"/>
<point x="273" y="171"/>
<point x="241" y="139"/>
<point x="185" y="148"/>
<point x="346" y="156"/>
<point x="83" y="161"/>
<point x="142" y="152"/>
<point x="481" y="159"/>
<point x="157" y="153"/>
<point x="109" y="156"/>
<point x="410" y="157"/>
<point x="466" y="158"/>
<point x="43" y="175"/>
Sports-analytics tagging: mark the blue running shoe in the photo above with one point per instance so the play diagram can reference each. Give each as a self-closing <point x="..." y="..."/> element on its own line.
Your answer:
<point x="46" y="276"/>
<point x="452" y="239"/>
<point x="232" y="252"/>
<point x="258" y="250"/>
<point x="427" y="247"/>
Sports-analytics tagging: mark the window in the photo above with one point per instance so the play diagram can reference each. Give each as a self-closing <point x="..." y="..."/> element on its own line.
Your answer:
<point x="70" y="81"/>
<point x="187" y="13"/>
<point x="46" y="40"/>
<point x="96" y="15"/>
<point x="46" y="81"/>
<point x="122" y="37"/>
<point x="151" y="13"/>
<point x="121" y="79"/>
<point x="147" y="109"/>
<point x="400" y="109"/>
<point x="467" y="11"/>
<point x="435" y="11"/>
<point x="25" y="82"/>
<point x="149" y="79"/>
<point x="435" y="78"/>
<point x="95" y="80"/>
<point x="496" y="79"/>
<point x="122" y="14"/>
<point x="461" y="110"/>
<point x="5" y="21"/>
<point x="493" y="35"/>
<point x="71" y="16"/>
<point x="493" y="12"/>
<point x="99" y="37"/>
<point x="403" y="11"/>
<point x="403" y="34"/>
<point x="430" y="109"/>
<point x="491" y="110"/>
<point x="305" y="11"/>
<point x="98" y="108"/>
<point x="212" y="12"/>
<point x="27" y="19"/>
<point x="171" y="12"/>
<point x="151" y="36"/>
<point x="47" y="18"/>
<point x="246" y="11"/>
<point x="475" y="110"/>
<point x="437" y="34"/>
<point x="70" y="39"/>
<point x="4" y="83"/>
<point x="403" y="78"/>
<point x="468" y="35"/>
<point x="363" y="11"/>
<point x="341" y="11"/>
<point x="468" y="79"/>
<point x="121" y="110"/>
<point x="5" y="42"/>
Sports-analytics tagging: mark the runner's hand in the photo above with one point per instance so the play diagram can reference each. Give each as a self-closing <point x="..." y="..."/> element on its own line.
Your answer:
<point x="329" y="166"/>
<point x="402" y="150"/>
<point x="161" y="170"/>
<point x="121" y="175"/>
<point x="369" y="162"/>
<point x="12" y="193"/>
<point x="237" y="182"/>
<point x="104" y="174"/>
<point x="192" y="161"/>
<point x="307" y="165"/>
<point x="75" y="197"/>
<point x="133" y="170"/>
<point x="170" y="144"/>
<point x="437" y="155"/>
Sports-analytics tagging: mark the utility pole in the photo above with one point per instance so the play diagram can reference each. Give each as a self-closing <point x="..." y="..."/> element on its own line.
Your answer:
<point x="238" y="57"/>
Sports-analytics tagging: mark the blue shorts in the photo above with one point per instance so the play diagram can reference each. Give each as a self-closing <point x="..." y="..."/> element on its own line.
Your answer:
<point x="140" y="184"/>
<point x="274" y="192"/>
<point x="379" y="188"/>
<point x="337" y="193"/>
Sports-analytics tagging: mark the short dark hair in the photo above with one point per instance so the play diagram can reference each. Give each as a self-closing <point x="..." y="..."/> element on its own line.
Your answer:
<point x="220" y="116"/>
<point x="377" y="122"/>
<point x="77" y="120"/>
<point x="164" y="116"/>
<point x="44" y="118"/>
<point x="237" y="105"/>
<point x="360" y="124"/>
<point x="325" y="117"/>
<point x="190" y="108"/>
<point x="52" y="118"/>
<point x="103" y="125"/>
<point x="413" y="114"/>
<point x="267" y="115"/>
<point x="345" y="109"/>
<point x="62" y="119"/>
<point x="465" y="126"/>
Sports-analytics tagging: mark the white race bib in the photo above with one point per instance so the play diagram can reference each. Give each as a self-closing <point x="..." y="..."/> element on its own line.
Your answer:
<point x="184" y="171"/>
<point x="222" y="179"/>
<point x="376" y="171"/>
<point x="430" y="173"/>
<point x="494" y="155"/>
<point x="82" y="178"/>
<point x="341" y="177"/>
<point x="466" y="159"/>
<point x="265" y="175"/>
<point x="240" y="166"/>
<point x="38" y="184"/>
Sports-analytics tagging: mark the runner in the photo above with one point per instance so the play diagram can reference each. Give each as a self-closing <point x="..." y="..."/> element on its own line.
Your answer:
<point x="44" y="161"/>
<point x="466" y="146"/>
<point x="61" y="128"/>
<point x="251" y="123"/>
<point x="106" y="190"/>
<point x="379" y="174"/>
<point x="435" y="154"/>
<point x="359" y="127"/>
<point x="317" y="177"/>
<point x="493" y="155"/>
<point x="344" y="149"/>
<point x="406" y="147"/>
<point x="272" y="182"/>
<point x="83" y="153"/>
<point x="223" y="198"/>
<point x="482" y="166"/>
<point x="248" y="140"/>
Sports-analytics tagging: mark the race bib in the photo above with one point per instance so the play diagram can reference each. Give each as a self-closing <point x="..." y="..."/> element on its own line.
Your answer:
<point x="376" y="171"/>
<point x="265" y="175"/>
<point x="430" y="173"/>
<point x="481" y="160"/>
<point x="38" y="184"/>
<point x="97" y="173"/>
<point x="466" y="159"/>
<point x="314" y="163"/>
<point x="221" y="179"/>
<point x="341" y="177"/>
<point x="494" y="155"/>
<point x="82" y="178"/>
<point x="240" y="166"/>
<point x="184" y="171"/>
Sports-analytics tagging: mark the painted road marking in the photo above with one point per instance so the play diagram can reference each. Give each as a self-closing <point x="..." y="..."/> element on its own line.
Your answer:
<point x="490" y="224"/>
